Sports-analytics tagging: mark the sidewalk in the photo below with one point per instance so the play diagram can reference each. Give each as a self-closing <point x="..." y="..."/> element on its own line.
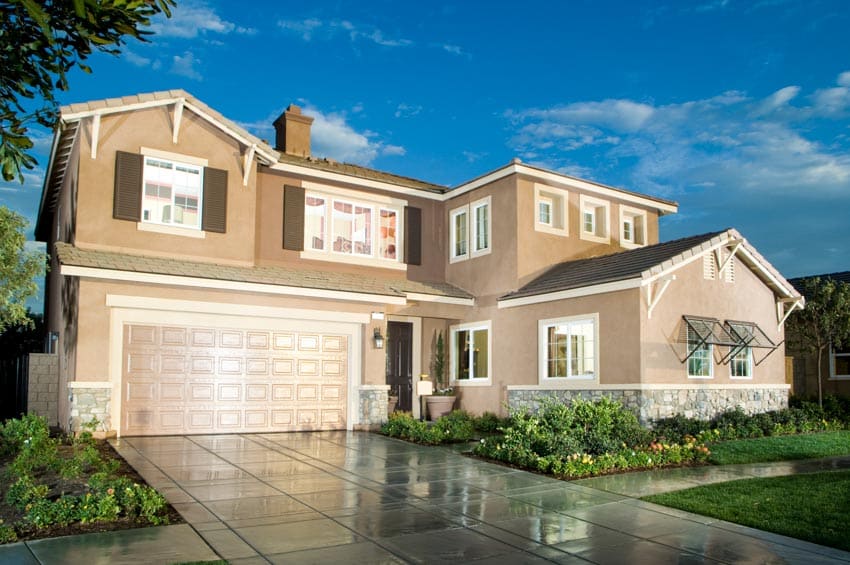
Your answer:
<point x="637" y="485"/>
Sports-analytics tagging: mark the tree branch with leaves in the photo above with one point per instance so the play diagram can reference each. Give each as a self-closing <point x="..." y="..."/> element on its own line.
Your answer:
<point x="40" y="43"/>
<point x="18" y="270"/>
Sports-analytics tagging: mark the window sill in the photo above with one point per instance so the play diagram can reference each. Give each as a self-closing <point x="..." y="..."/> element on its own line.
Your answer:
<point x="477" y="382"/>
<point x="353" y="260"/>
<point x="591" y="237"/>
<point x="545" y="228"/>
<point x="481" y="253"/>
<point x="630" y="245"/>
<point x="741" y="378"/>
<point x="458" y="259"/>
<point x="171" y="230"/>
<point x="700" y="378"/>
<point x="839" y="378"/>
<point x="565" y="382"/>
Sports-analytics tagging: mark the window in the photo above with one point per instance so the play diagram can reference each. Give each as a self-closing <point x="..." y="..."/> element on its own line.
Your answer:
<point x="471" y="353"/>
<point x="700" y="356"/>
<point x="840" y="363"/>
<point x="741" y="364"/>
<point x="568" y="348"/>
<point x="347" y="228"/>
<point x="594" y="219"/>
<point x="172" y="193"/>
<point x="633" y="227"/>
<point x="471" y="230"/>
<point x="460" y="237"/>
<point x="550" y="209"/>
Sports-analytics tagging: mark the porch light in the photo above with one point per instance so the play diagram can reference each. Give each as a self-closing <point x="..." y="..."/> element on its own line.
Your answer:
<point x="379" y="339"/>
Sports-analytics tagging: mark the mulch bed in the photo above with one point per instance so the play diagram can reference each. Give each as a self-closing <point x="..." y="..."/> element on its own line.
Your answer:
<point x="58" y="486"/>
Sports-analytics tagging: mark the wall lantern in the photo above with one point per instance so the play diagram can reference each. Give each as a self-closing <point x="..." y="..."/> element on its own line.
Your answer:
<point x="379" y="339"/>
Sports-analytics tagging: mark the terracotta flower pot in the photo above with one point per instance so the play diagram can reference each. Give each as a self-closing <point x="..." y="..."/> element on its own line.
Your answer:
<point x="439" y="405"/>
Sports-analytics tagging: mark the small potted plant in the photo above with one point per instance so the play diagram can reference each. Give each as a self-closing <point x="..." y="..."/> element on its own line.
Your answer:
<point x="443" y="399"/>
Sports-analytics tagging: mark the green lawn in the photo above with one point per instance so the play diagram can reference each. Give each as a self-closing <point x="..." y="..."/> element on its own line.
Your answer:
<point x="812" y="507"/>
<point x="781" y="448"/>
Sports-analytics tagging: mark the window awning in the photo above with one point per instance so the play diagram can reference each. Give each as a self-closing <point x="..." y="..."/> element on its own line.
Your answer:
<point x="732" y="334"/>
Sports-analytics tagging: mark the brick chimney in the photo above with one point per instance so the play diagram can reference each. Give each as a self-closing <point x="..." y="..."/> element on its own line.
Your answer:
<point x="293" y="132"/>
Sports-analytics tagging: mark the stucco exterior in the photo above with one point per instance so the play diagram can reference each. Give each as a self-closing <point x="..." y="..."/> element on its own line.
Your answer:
<point x="93" y="297"/>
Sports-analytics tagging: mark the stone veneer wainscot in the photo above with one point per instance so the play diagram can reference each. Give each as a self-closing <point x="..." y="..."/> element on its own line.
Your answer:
<point x="373" y="406"/>
<point x="649" y="404"/>
<point x="89" y="400"/>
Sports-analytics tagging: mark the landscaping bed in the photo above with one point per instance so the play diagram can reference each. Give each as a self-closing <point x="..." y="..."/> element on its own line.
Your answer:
<point x="57" y="486"/>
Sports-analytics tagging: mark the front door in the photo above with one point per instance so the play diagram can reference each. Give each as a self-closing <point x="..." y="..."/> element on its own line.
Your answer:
<point x="400" y="363"/>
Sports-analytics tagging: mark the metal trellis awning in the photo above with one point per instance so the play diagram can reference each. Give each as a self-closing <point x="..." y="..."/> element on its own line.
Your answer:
<point x="748" y="334"/>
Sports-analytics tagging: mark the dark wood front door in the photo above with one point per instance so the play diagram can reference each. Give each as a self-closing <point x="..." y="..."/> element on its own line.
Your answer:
<point x="400" y="363"/>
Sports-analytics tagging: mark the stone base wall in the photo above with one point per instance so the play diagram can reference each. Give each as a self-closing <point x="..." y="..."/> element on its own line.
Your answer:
<point x="43" y="387"/>
<point x="650" y="405"/>
<point x="87" y="404"/>
<point x="373" y="406"/>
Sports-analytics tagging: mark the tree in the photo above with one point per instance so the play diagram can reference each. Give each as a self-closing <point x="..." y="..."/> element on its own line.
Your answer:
<point x="824" y="323"/>
<point x="40" y="43"/>
<point x="18" y="269"/>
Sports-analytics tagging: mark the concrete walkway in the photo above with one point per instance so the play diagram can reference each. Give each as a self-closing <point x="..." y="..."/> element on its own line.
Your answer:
<point x="361" y="498"/>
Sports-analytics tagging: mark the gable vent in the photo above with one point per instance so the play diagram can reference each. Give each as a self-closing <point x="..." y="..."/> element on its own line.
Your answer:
<point x="709" y="267"/>
<point x="729" y="271"/>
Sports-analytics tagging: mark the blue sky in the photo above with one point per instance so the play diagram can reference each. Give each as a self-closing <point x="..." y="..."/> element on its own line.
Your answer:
<point x="740" y="111"/>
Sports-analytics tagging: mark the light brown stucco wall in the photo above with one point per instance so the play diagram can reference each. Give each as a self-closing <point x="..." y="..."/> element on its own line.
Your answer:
<point x="152" y="128"/>
<point x="747" y="299"/>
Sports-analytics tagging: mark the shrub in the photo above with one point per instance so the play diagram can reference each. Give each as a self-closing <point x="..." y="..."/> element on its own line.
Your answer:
<point x="7" y="534"/>
<point x="455" y="426"/>
<point x="25" y="491"/>
<point x="489" y="423"/>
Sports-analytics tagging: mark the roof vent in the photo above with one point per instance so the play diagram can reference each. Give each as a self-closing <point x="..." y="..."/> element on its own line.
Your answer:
<point x="293" y="132"/>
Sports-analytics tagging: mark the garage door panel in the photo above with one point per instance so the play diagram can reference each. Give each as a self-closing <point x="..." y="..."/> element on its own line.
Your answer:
<point x="185" y="379"/>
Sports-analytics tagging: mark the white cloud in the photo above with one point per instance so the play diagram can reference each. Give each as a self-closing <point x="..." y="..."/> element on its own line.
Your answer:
<point x="725" y="143"/>
<point x="333" y="136"/>
<point x="185" y="65"/>
<point x="135" y="59"/>
<point x="196" y="17"/>
<point x="314" y="28"/>
<point x="453" y="49"/>
<point x="407" y="110"/>
<point x="844" y="79"/>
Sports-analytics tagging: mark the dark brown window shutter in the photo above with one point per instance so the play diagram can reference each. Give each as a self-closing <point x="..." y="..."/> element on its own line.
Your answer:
<point x="412" y="235"/>
<point x="127" y="200"/>
<point x="293" y="218"/>
<point x="215" y="200"/>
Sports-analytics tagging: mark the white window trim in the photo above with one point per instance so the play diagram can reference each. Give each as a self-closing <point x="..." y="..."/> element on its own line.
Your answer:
<point x="472" y="326"/>
<point x="584" y="202"/>
<point x="832" y="375"/>
<point x="710" y="364"/>
<point x="629" y="212"/>
<point x="543" y="350"/>
<point x="559" y="199"/>
<point x="332" y="195"/>
<point x="472" y="229"/>
<point x="750" y="366"/>
<point x="453" y="237"/>
<point x="172" y="229"/>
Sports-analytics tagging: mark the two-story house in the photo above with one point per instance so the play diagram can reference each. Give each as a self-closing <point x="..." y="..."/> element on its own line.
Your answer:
<point x="205" y="281"/>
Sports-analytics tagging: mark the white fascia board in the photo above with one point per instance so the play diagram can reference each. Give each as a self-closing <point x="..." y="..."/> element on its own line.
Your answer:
<point x="571" y="293"/>
<point x="357" y="181"/>
<point x="230" y="309"/>
<point x="420" y="297"/>
<point x="153" y="278"/>
<point x="695" y="257"/>
<point x="753" y="261"/>
<point x="270" y="156"/>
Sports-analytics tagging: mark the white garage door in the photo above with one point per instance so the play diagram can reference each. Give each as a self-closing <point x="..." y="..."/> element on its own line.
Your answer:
<point x="197" y="380"/>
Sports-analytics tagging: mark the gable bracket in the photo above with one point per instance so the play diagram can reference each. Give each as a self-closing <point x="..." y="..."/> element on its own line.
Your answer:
<point x="95" y="135"/>
<point x="783" y="310"/>
<point x="248" y="161"/>
<point x="178" y="117"/>
<point x="654" y="296"/>
<point x="732" y="245"/>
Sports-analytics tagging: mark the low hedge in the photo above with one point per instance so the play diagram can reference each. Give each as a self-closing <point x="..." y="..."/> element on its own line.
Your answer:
<point x="457" y="426"/>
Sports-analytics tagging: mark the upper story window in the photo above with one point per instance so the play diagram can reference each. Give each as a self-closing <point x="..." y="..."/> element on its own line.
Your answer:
<point x="471" y="353"/>
<point x="550" y="209"/>
<point x="594" y="219"/>
<point x="471" y="230"/>
<point x="345" y="227"/>
<point x="632" y="227"/>
<point x="568" y="348"/>
<point x="172" y="194"/>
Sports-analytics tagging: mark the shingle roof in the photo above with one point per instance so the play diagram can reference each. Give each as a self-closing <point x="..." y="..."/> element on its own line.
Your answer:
<point x="843" y="276"/>
<point x="271" y="275"/>
<point x="611" y="268"/>
<point x="361" y="172"/>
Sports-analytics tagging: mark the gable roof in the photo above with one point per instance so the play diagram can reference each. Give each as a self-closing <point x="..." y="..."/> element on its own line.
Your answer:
<point x="638" y="267"/>
<point x="842" y="276"/>
<point x="345" y="286"/>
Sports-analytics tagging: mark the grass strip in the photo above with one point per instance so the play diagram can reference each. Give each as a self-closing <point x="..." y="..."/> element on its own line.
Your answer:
<point x="811" y="507"/>
<point x="781" y="448"/>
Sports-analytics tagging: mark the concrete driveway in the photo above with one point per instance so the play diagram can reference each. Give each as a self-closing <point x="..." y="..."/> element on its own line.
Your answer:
<point x="337" y="497"/>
